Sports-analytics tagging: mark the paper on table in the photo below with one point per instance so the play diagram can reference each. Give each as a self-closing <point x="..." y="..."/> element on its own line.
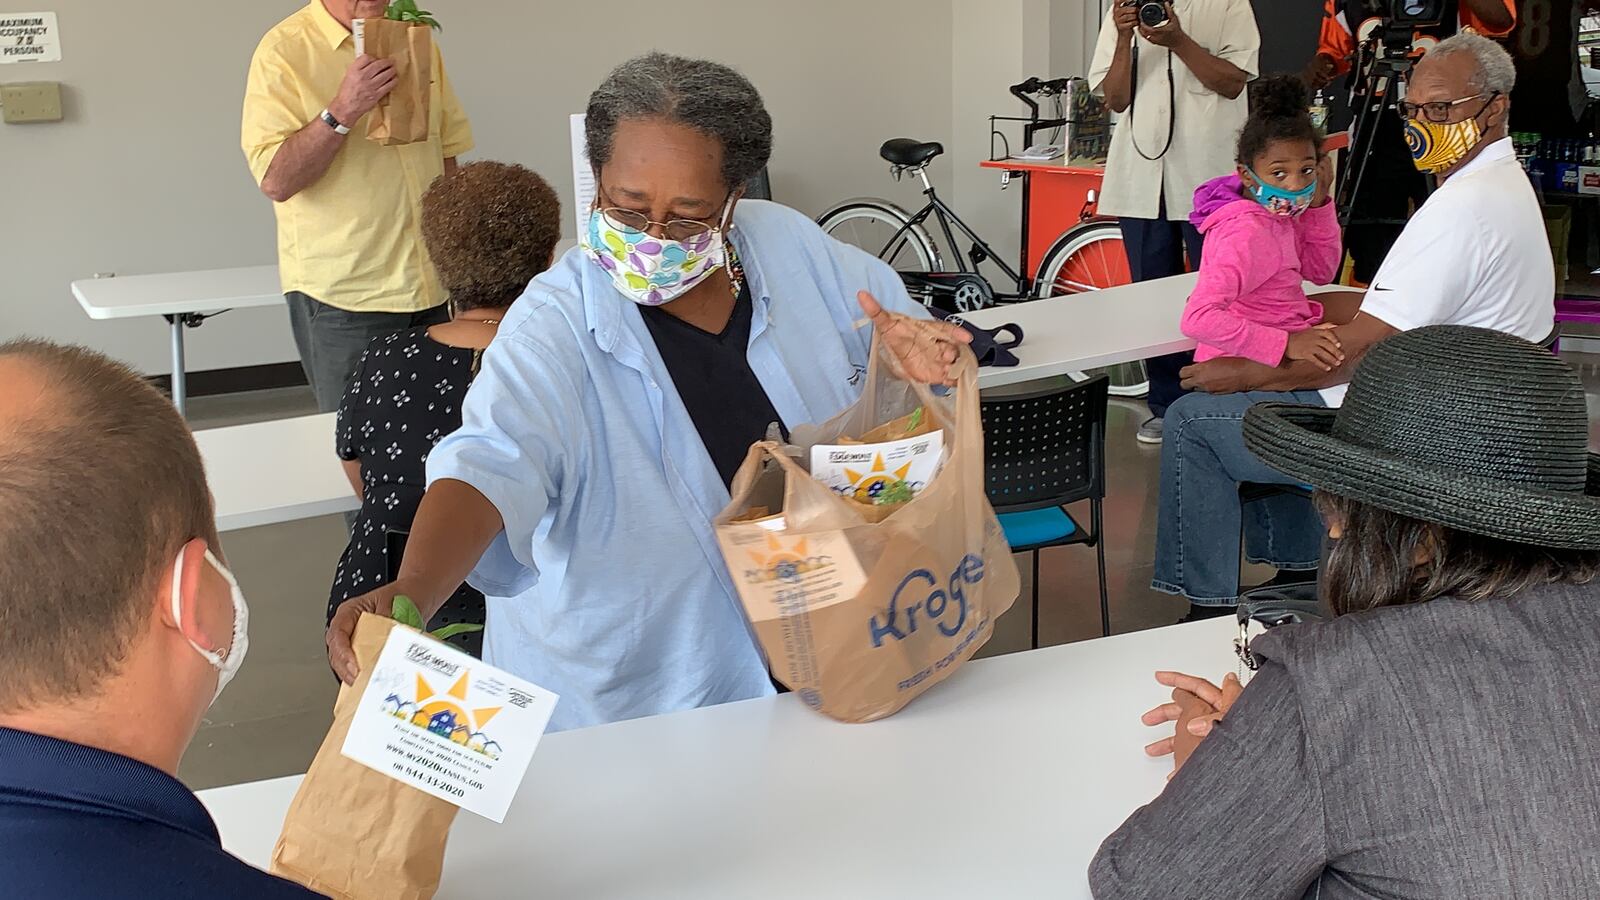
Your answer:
<point x="448" y="724"/>
<point x="582" y="178"/>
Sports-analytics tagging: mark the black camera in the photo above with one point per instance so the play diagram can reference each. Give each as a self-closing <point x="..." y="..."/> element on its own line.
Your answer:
<point x="1152" y="14"/>
<point x="1407" y="13"/>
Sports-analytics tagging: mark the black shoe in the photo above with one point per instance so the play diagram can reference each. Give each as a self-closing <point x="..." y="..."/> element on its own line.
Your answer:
<point x="1198" y="613"/>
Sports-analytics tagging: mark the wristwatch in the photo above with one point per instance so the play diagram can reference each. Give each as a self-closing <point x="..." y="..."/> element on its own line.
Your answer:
<point x="333" y="123"/>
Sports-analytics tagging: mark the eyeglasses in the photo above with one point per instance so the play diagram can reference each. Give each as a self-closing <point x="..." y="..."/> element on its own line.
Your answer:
<point x="675" y="230"/>
<point x="639" y="223"/>
<point x="1438" y="112"/>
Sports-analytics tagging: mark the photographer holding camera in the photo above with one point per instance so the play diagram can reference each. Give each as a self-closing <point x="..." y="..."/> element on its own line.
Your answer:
<point x="1392" y="185"/>
<point x="1176" y="73"/>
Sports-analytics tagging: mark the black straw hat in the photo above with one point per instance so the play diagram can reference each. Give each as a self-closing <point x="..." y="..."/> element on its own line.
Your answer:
<point x="1468" y="428"/>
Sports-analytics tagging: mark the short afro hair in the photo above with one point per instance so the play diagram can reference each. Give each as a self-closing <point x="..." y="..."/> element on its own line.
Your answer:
<point x="490" y="228"/>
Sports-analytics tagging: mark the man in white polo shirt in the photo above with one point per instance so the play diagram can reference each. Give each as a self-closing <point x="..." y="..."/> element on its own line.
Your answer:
<point x="1474" y="254"/>
<point x="1179" y="87"/>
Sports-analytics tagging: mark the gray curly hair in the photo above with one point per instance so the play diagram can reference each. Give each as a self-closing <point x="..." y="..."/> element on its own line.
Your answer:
<point x="1495" y="72"/>
<point x="708" y="97"/>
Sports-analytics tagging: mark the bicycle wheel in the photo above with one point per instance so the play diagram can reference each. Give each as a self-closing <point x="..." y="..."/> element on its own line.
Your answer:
<point x="872" y="224"/>
<point x="1090" y="257"/>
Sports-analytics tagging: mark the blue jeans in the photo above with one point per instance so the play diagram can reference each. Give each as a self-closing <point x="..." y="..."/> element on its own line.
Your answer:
<point x="1203" y="462"/>
<point x="1156" y="249"/>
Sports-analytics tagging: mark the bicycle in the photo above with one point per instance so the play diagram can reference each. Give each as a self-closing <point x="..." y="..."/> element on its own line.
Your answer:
<point x="1087" y="257"/>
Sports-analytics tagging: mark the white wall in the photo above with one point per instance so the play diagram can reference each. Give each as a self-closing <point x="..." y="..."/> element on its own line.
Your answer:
<point x="145" y="175"/>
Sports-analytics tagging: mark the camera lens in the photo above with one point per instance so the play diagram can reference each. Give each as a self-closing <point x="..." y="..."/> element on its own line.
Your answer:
<point x="1152" y="14"/>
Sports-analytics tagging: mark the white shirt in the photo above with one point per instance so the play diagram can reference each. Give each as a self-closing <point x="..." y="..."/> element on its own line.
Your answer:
<point x="1474" y="254"/>
<point x="1205" y="128"/>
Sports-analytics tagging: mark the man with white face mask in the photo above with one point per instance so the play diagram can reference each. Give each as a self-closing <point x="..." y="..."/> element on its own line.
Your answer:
<point x="119" y="626"/>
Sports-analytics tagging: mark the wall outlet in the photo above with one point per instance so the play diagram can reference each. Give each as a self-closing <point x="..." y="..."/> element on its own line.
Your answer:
<point x="31" y="101"/>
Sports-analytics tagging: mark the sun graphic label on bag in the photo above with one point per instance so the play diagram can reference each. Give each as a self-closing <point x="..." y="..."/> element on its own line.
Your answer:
<point x="888" y="472"/>
<point x="793" y="574"/>
<point x="447" y="724"/>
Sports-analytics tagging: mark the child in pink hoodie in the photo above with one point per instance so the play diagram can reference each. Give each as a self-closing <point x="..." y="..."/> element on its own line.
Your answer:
<point x="1267" y="228"/>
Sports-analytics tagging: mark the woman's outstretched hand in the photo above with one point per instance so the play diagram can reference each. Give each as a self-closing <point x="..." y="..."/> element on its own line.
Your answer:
<point x="925" y="349"/>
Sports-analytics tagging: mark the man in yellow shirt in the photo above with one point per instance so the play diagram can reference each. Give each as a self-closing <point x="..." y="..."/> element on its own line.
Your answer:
<point x="350" y="252"/>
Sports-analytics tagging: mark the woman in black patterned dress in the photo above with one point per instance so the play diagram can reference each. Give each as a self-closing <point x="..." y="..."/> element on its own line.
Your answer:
<point x="490" y="228"/>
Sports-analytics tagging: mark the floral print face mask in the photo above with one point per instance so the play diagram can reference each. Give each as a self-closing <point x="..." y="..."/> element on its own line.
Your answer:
<point x="648" y="270"/>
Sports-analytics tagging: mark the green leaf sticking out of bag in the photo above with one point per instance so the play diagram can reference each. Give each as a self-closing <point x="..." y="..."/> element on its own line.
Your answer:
<point x="407" y="11"/>
<point x="893" y="493"/>
<point x="453" y="629"/>
<point x="406" y="613"/>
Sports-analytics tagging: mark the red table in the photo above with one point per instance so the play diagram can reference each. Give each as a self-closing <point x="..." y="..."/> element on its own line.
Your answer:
<point x="1054" y="199"/>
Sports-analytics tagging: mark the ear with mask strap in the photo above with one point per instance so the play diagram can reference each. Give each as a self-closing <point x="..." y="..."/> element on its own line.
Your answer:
<point x="227" y="664"/>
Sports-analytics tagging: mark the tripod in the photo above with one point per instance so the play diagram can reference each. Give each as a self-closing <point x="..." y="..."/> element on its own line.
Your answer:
<point x="1379" y="93"/>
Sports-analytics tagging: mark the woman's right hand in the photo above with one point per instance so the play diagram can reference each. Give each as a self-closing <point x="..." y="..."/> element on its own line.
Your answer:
<point x="341" y="631"/>
<point x="1319" y="345"/>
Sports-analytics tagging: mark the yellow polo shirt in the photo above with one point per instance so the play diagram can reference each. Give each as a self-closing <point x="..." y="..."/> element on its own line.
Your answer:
<point x="353" y="239"/>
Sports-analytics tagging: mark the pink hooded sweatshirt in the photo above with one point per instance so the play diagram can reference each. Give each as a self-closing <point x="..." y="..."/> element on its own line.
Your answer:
<point x="1250" y="297"/>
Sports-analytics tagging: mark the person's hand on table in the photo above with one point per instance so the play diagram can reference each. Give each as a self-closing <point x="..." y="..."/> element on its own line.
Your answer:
<point x="366" y="82"/>
<point x="1197" y="706"/>
<point x="342" y="630"/>
<point x="1319" y="345"/>
<point x="1224" y="375"/>
<point x="1169" y="35"/>
<point x="925" y="349"/>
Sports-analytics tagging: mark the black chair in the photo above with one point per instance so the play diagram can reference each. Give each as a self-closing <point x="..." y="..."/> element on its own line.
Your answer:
<point x="759" y="186"/>
<point x="1043" y="450"/>
<point x="465" y="605"/>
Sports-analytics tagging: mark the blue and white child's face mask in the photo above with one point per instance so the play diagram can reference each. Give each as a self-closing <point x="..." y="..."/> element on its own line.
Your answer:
<point x="1279" y="201"/>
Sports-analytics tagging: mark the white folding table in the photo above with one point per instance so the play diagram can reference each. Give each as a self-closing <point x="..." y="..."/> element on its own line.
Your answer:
<point x="1000" y="782"/>
<point x="184" y="299"/>
<point x="266" y="473"/>
<point x="1078" y="332"/>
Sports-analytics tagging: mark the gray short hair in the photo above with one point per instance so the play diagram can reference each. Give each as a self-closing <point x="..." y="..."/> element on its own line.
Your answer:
<point x="1494" y="72"/>
<point x="708" y="97"/>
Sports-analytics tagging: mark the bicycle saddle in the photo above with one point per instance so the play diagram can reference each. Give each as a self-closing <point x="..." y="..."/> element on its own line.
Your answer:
<point x="906" y="152"/>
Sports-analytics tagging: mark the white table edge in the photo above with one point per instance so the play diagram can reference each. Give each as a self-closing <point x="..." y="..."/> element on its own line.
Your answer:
<point x="279" y="515"/>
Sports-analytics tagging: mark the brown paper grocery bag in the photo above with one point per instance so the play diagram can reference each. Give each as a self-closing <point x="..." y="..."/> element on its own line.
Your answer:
<point x="861" y="609"/>
<point x="352" y="833"/>
<point x="402" y="117"/>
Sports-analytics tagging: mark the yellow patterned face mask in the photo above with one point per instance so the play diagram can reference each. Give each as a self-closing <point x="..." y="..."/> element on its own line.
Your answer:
<point x="1437" y="147"/>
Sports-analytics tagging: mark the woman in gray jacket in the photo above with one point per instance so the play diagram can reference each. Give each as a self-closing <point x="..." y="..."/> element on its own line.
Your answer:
<point x="1440" y="736"/>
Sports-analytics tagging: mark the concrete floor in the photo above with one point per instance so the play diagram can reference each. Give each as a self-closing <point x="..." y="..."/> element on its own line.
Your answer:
<point x="274" y="716"/>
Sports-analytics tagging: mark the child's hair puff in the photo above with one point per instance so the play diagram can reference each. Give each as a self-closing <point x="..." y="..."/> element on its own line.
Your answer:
<point x="1280" y="110"/>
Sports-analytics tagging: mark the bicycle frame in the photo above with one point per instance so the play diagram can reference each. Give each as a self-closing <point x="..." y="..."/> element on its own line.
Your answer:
<point x="979" y="252"/>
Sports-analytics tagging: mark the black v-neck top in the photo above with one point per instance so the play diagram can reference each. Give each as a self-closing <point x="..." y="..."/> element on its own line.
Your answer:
<point x="727" y="404"/>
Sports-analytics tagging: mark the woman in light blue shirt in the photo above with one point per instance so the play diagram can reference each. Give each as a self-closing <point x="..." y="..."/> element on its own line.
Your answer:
<point x="619" y="396"/>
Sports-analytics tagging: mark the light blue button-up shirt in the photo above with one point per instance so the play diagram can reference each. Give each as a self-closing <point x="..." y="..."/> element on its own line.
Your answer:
<point x="607" y="585"/>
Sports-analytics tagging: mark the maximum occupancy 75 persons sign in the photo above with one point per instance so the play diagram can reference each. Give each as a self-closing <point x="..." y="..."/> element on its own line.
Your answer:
<point x="29" y="37"/>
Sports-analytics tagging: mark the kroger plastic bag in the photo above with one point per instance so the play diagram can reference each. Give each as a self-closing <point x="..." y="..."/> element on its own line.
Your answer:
<point x="859" y="608"/>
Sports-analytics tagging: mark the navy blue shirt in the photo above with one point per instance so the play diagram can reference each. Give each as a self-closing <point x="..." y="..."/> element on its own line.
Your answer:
<point x="80" y="822"/>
